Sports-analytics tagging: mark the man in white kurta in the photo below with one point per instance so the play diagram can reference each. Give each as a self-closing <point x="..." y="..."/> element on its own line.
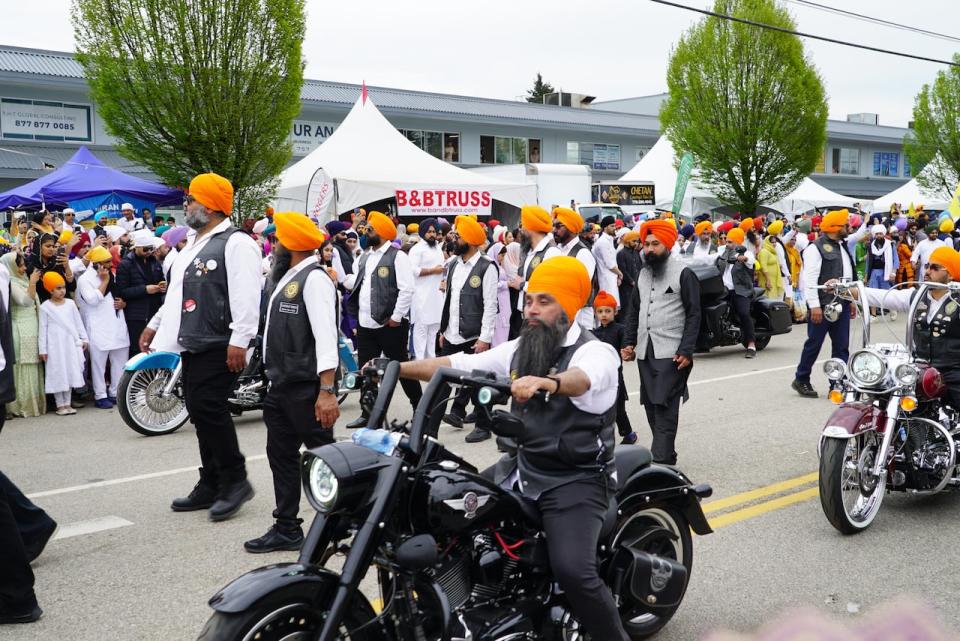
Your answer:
<point x="608" y="273"/>
<point x="426" y="258"/>
<point x="106" y="327"/>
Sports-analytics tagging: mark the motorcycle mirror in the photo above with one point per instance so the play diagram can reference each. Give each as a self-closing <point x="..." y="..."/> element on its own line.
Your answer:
<point x="832" y="311"/>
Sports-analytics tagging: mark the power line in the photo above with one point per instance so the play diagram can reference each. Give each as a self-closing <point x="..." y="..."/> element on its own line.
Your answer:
<point x="805" y="35"/>
<point x="879" y="21"/>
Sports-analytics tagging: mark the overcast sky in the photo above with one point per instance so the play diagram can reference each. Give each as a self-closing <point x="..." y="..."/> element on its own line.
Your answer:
<point x="605" y="48"/>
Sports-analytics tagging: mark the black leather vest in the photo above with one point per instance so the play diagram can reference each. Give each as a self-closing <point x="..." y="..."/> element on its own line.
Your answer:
<point x="537" y="259"/>
<point x="471" y="299"/>
<point x="936" y="339"/>
<point x="205" y="312"/>
<point x="562" y="444"/>
<point x="831" y="264"/>
<point x="595" y="280"/>
<point x="383" y="297"/>
<point x="291" y="354"/>
<point x="740" y="273"/>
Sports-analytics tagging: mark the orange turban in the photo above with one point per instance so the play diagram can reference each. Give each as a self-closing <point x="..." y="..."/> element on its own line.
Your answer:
<point x="382" y="225"/>
<point x="949" y="258"/>
<point x="604" y="299"/>
<point x="51" y="280"/>
<point x="213" y="192"/>
<point x="569" y="219"/>
<point x="702" y="227"/>
<point x="664" y="230"/>
<point x="535" y="218"/>
<point x="633" y="234"/>
<point x="470" y="230"/>
<point x="834" y="221"/>
<point x="566" y="279"/>
<point x="746" y="224"/>
<point x="736" y="235"/>
<point x="296" y="232"/>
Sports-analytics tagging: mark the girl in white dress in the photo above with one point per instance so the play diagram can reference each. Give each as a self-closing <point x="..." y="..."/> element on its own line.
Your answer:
<point x="62" y="341"/>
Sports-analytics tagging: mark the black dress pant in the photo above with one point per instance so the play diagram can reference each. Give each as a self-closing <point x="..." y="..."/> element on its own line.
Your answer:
<point x="623" y="421"/>
<point x="288" y="411"/>
<point x="392" y="343"/>
<point x="32" y="521"/>
<point x="663" y="420"/>
<point x="207" y="384"/>
<point x="134" y="329"/>
<point x="516" y="316"/>
<point x="741" y="307"/>
<point x="572" y="517"/>
<point x="16" y="577"/>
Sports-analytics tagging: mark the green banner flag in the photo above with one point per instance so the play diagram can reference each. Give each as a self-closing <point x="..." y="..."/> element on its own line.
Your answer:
<point x="683" y="177"/>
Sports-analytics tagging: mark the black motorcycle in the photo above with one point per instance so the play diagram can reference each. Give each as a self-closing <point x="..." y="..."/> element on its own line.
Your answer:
<point x="456" y="557"/>
<point x="719" y="325"/>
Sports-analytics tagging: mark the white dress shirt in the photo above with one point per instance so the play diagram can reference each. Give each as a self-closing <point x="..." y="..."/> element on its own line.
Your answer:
<point x="131" y="225"/>
<point x="606" y="255"/>
<point x="106" y="327"/>
<point x="898" y="300"/>
<point x="728" y="271"/>
<point x="491" y="278"/>
<point x="921" y="254"/>
<point x="550" y="253"/>
<point x="405" y="283"/>
<point x="596" y="359"/>
<point x="424" y="308"/>
<point x="585" y="256"/>
<point x="320" y="299"/>
<point x="811" y="273"/>
<point x="242" y="258"/>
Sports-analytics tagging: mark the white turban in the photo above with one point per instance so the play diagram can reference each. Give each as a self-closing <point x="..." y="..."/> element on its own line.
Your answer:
<point x="142" y="238"/>
<point x="115" y="232"/>
<point x="260" y="225"/>
<point x="878" y="229"/>
<point x="126" y="206"/>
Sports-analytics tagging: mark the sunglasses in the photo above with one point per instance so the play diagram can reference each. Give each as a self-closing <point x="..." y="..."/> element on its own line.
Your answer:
<point x="935" y="268"/>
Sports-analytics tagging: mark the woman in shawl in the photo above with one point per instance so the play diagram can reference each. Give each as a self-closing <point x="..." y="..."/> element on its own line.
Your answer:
<point x="769" y="275"/>
<point x="28" y="371"/>
<point x="511" y="265"/>
<point x="501" y="328"/>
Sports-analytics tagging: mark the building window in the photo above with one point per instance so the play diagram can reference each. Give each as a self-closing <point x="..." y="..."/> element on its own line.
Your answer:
<point x="594" y="155"/>
<point x="906" y="167"/>
<point x="445" y="146"/>
<point x="886" y="163"/>
<point x="846" y="161"/>
<point x="508" y="151"/>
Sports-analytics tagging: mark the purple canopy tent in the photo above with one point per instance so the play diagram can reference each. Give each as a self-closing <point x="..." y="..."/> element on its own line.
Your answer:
<point x="84" y="176"/>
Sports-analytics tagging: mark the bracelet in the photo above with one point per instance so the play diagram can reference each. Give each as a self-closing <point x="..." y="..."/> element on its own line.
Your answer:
<point x="556" y="380"/>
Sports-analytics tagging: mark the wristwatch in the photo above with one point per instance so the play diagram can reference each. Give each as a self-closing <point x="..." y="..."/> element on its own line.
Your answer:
<point x="329" y="389"/>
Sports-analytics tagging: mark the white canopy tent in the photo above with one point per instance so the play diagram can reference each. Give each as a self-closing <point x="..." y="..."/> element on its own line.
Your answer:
<point x="657" y="167"/>
<point x="810" y="195"/>
<point x="366" y="159"/>
<point x="912" y="192"/>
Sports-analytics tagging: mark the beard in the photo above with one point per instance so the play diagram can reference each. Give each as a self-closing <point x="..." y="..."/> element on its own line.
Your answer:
<point x="198" y="218"/>
<point x="655" y="261"/>
<point x="460" y="248"/>
<point x="525" y="244"/>
<point x="281" y="263"/>
<point x="538" y="346"/>
<point x="432" y="242"/>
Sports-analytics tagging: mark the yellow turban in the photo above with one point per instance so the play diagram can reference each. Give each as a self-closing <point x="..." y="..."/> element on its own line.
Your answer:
<point x="99" y="254"/>
<point x="630" y="236"/>
<point x="569" y="219"/>
<point x="949" y="258"/>
<point x="470" y="231"/>
<point x="946" y="226"/>
<point x="746" y="224"/>
<point x="382" y="225"/>
<point x="834" y="221"/>
<point x="535" y="218"/>
<point x="702" y="227"/>
<point x="775" y="228"/>
<point x="736" y="235"/>
<point x="413" y="228"/>
<point x="51" y="280"/>
<point x="65" y="236"/>
<point x="566" y="279"/>
<point x="213" y="192"/>
<point x="296" y="232"/>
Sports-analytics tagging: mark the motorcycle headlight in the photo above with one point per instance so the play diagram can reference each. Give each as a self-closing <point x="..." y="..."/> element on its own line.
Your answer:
<point x="835" y="369"/>
<point x="350" y="381"/>
<point x="867" y="368"/>
<point x="907" y="374"/>
<point x="323" y="486"/>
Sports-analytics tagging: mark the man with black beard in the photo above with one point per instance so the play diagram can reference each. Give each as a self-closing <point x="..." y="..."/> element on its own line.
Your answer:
<point x="210" y="316"/>
<point x="338" y="229"/>
<point x="300" y="358"/>
<point x="566" y="229"/>
<point x="536" y="243"/>
<point x="629" y="262"/>
<point x="572" y="485"/>
<point x="662" y="325"/>
<point x="426" y="258"/>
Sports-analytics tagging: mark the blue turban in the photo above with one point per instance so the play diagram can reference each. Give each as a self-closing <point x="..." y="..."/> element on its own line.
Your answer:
<point x="101" y="215"/>
<point x="337" y="226"/>
<point x="687" y="230"/>
<point x="427" y="224"/>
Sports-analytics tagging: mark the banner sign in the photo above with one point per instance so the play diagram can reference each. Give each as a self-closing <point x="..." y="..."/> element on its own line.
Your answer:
<point x="624" y="194"/>
<point x="44" y="120"/>
<point x="683" y="177"/>
<point x="319" y="195"/>
<point x="110" y="202"/>
<point x="443" y="202"/>
<point x="307" y="135"/>
<point x="606" y="156"/>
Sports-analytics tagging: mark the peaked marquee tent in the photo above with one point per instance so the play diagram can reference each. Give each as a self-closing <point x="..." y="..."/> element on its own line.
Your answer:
<point x="657" y="167"/>
<point x="810" y="194"/>
<point x="85" y="176"/>
<point x="366" y="159"/>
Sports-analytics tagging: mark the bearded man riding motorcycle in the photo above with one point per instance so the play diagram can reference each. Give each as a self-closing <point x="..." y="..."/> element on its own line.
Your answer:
<point x="565" y="458"/>
<point x="936" y="329"/>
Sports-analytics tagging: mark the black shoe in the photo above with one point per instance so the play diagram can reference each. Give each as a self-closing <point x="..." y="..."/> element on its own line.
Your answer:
<point x="454" y="419"/>
<point x="35" y="548"/>
<point x="750" y="353"/>
<point x="804" y="388"/>
<point x="20" y="617"/>
<point x="477" y="435"/>
<point x="629" y="439"/>
<point x="470" y="418"/>
<point x="275" y="540"/>
<point x="230" y="500"/>
<point x="201" y="497"/>
<point x="360" y="421"/>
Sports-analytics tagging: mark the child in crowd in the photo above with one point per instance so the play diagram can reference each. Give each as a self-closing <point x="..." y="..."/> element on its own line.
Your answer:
<point x="612" y="333"/>
<point x="62" y="341"/>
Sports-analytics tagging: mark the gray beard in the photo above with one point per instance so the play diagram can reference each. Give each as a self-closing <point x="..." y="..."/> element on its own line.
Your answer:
<point x="198" y="219"/>
<point x="539" y="345"/>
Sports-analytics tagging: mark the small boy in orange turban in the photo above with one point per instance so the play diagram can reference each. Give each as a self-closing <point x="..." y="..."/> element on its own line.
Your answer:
<point x="612" y="333"/>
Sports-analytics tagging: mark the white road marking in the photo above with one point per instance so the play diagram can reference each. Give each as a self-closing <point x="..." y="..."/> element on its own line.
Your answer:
<point x="89" y="527"/>
<point x="128" y="479"/>
<point x="741" y="375"/>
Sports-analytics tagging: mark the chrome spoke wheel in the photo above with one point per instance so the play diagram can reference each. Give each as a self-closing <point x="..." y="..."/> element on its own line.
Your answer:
<point x="145" y="407"/>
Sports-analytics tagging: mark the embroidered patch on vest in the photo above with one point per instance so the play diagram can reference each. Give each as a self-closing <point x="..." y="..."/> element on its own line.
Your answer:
<point x="536" y="261"/>
<point x="289" y="308"/>
<point x="292" y="289"/>
<point x="950" y="308"/>
<point x="475" y="281"/>
<point x="189" y="305"/>
<point x="827" y="248"/>
<point x="383" y="272"/>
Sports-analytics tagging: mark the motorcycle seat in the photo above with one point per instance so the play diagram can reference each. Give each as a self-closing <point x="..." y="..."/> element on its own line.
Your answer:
<point x="629" y="459"/>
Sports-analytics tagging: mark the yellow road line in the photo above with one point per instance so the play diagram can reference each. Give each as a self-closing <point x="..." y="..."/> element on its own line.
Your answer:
<point x="758" y="493"/>
<point x="762" y="508"/>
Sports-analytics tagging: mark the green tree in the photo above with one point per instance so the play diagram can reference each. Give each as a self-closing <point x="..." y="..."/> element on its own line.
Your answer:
<point x="934" y="141"/>
<point x="191" y="86"/>
<point x="747" y="103"/>
<point x="540" y="89"/>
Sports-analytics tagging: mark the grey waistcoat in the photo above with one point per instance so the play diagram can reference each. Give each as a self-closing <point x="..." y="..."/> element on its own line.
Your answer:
<point x="205" y="314"/>
<point x="740" y="273"/>
<point x="383" y="297"/>
<point x="662" y="315"/>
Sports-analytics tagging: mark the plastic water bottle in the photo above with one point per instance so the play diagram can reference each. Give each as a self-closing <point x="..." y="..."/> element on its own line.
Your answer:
<point x="382" y="441"/>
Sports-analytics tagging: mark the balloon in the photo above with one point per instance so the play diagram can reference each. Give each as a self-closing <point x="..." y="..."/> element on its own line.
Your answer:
<point x="945" y="215"/>
<point x="901" y="223"/>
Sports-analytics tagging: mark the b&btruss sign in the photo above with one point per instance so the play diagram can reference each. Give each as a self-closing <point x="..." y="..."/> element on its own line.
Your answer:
<point x="443" y="202"/>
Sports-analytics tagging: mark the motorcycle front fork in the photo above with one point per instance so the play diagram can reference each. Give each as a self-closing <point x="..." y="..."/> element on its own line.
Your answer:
<point x="174" y="379"/>
<point x="882" y="460"/>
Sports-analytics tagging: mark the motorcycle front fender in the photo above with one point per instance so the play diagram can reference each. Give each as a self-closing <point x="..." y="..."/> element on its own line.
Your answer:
<point x="660" y="484"/>
<point x="849" y="420"/>
<point x="153" y="360"/>
<point x="246" y="590"/>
